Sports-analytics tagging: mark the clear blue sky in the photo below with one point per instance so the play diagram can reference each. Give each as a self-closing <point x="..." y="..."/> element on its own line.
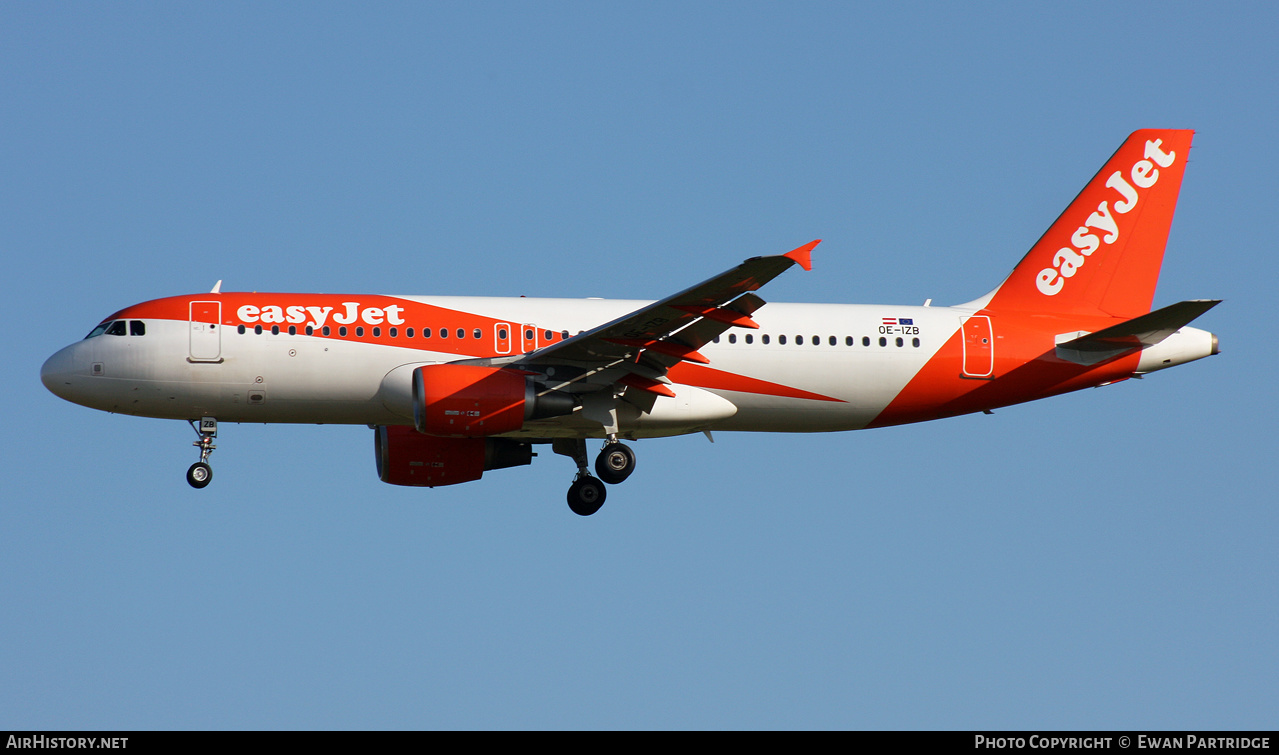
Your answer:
<point x="1105" y="559"/>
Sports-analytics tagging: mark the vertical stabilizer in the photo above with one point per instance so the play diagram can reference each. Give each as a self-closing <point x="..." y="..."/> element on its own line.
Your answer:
<point x="1102" y="255"/>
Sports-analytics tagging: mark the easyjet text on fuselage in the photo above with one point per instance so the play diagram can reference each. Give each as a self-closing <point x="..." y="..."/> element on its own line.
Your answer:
<point x="316" y="317"/>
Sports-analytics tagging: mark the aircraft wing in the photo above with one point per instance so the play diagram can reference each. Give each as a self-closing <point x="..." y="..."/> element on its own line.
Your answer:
<point x="637" y="349"/>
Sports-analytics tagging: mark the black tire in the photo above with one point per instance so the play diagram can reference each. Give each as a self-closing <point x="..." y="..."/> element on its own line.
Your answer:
<point x="586" y="495"/>
<point x="615" y="463"/>
<point x="199" y="475"/>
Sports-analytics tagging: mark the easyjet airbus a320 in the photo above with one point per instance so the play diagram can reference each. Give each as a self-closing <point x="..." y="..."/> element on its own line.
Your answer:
<point x="456" y="386"/>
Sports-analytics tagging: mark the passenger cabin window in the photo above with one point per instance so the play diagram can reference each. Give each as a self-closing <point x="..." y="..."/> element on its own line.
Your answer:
<point x="477" y="333"/>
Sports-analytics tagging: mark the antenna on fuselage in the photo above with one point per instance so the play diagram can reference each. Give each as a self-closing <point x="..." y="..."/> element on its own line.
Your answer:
<point x="217" y="288"/>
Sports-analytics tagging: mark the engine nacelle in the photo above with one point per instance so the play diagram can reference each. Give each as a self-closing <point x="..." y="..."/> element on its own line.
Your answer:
<point x="407" y="457"/>
<point x="467" y="401"/>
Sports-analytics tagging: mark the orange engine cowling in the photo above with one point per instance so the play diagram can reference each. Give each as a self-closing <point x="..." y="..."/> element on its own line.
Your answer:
<point x="407" y="457"/>
<point x="468" y="401"/>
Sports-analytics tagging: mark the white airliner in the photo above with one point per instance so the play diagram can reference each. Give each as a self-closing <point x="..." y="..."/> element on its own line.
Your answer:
<point x="456" y="386"/>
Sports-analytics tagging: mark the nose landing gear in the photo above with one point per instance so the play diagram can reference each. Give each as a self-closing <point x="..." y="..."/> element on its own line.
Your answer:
<point x="200" y="473"/>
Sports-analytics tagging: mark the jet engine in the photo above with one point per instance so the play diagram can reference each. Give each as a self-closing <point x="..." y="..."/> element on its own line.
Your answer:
<point x="407" y="457"/>
<point x="468" y="401"/>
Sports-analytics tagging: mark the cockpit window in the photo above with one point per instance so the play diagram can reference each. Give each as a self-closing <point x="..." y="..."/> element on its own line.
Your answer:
<point x="137" y="328"/>
<point x="116" y="328"/>
<point x="99" y="330"/>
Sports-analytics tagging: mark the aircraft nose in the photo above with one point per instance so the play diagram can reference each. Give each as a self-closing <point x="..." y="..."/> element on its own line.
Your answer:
<point x="58" y="372"/>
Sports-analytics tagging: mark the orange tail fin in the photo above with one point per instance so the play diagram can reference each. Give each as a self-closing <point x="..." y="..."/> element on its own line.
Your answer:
<point x="1103" y="254"/>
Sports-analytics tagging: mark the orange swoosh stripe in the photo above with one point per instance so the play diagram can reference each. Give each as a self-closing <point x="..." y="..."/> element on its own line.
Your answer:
<point x="706" y="377"/>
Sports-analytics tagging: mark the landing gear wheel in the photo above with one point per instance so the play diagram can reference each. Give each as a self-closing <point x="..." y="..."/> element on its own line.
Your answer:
<point x="615" y="463"/>
<point x="199" y="475"/>
<point x="586" y="495"/>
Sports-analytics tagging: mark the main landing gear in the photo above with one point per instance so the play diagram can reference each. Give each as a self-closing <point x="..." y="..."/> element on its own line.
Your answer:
<point x="201" y="474"/>
<point x="586" y="495"/>
<point x="613" y="465"/>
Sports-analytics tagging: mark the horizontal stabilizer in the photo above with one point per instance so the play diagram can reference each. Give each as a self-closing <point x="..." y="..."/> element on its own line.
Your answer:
<point x="1137" y="333"/>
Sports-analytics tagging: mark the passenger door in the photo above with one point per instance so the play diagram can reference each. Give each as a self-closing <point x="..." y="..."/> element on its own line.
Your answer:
<point x="206" y="331"/>
<point x="979" y="348"/>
